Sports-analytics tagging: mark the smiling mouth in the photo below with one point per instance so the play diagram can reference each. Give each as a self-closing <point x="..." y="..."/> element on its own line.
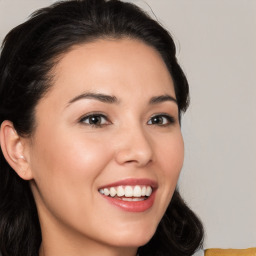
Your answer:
<point x="128" y="193"/>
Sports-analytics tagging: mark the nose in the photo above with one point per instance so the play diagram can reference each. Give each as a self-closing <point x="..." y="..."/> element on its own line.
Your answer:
<point x="134" y="147"/>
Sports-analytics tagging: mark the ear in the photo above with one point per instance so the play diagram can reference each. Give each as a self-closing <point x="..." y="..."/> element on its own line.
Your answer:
<point x="14" y="150"/>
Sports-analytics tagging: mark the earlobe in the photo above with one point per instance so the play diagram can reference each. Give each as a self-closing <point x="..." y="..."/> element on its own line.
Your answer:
<point x="13" y="148"/>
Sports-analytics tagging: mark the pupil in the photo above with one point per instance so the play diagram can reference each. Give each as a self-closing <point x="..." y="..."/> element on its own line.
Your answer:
<point x="157" y="120"/>
<point x="94" y="120"/>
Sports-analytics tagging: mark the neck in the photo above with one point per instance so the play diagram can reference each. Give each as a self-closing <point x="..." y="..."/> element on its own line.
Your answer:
<point x="46" y="250"/>
<point x="67" y="244"/>
<point x="59" y="239"/>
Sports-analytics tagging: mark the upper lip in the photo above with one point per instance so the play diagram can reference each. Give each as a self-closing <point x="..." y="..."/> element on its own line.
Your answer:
<point x="132" y="182"/>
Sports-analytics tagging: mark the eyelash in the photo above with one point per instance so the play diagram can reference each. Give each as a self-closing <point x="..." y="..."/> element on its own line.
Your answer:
<point x="169" y="120"/>
<point x="166" y="119"/>
<point x="95" y="115"/>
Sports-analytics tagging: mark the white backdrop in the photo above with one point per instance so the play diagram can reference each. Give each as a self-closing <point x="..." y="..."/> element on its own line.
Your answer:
<point x="216" y="42"/>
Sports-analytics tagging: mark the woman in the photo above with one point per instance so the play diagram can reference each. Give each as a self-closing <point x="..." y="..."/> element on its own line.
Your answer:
<point x="91" y="97"/>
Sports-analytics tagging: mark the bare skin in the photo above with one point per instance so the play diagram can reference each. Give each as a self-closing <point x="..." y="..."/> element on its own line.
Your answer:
<point x="109" y="117"/>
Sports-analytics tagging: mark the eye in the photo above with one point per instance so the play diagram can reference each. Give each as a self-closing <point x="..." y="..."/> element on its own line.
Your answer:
<point x="95" y="120"/>
<point x="161" y="120"/>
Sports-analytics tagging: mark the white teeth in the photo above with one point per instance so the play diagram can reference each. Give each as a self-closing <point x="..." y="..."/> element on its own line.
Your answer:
<point x="137" y="191"/>
<point x="148" y="191"/>
<point x="143" y="191"/>
<point x="112" y="191"/>
<point x="120" y="191"/>
<point x="106" y="191"/>
<point x="130" y="192"/>
<point x="132" y="199"/>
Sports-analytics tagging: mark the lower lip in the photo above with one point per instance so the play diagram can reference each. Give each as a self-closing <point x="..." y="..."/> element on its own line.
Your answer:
<point x="132" y="206"/>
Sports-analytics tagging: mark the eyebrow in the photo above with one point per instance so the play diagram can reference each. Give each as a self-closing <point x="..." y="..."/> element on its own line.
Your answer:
<point x="112" y="99"/>
<point x="95" y="96"/>
<point x="162" y="98"/>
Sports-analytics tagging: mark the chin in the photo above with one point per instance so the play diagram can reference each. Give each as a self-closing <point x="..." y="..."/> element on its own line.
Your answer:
<point x="136" y="238"/>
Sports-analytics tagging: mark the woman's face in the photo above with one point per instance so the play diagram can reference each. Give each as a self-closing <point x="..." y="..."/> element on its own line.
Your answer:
<point x="109" y="124"/>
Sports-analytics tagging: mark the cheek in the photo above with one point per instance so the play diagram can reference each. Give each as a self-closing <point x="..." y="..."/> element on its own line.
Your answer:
<point x="171" y="154"/>
<point x="65" y="169"/>
<point x="61" y="154"/>
<point x="171" y="157"/>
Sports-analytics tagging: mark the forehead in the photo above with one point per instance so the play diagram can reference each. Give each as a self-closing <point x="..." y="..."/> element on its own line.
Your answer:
<point x="114" y="66"/>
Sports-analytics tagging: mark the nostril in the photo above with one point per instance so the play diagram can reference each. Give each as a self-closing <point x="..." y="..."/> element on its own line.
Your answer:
<point x="130" y="161"/>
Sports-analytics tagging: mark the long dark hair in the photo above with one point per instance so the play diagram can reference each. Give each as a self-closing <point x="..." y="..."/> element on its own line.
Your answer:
<point x="29" y="53"/>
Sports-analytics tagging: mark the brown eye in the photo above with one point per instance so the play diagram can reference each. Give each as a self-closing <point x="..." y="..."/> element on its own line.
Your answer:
<point x="97" y="120"/>
<point x="157" y="120"/>
<point x="161" y="120"/>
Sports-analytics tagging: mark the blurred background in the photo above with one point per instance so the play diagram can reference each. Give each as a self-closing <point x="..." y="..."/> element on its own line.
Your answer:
<point x="216" y="46"/>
